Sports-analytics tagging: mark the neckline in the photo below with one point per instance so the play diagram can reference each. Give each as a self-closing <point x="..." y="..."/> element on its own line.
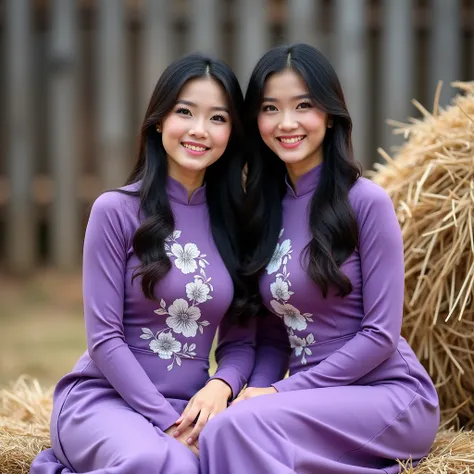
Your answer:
<point x="306" y="183"/>
<point x="178" y="193"/>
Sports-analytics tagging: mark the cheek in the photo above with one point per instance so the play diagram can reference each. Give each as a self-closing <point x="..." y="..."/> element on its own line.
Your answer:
<point x="173" y="127"/>
<point x="315" y="122"/>
<point x="265" y="127"/>
<point x="221" y="136"/>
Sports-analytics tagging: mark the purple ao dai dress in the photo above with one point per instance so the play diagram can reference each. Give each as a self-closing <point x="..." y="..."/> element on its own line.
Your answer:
<point x="357" y="398"/>
<point x="145" y="359"/>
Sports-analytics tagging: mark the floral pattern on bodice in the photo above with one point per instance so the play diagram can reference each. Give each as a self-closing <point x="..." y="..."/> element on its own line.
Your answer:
<point x="184" y="316"/>
<point x="280" y="289"/>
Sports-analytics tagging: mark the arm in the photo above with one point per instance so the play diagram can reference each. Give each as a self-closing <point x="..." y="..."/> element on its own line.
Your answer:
<point x="273" y="352"/>
<point x="382" y="267"/>
<point x="235" y="354"/>
<point x="105" y="254"/>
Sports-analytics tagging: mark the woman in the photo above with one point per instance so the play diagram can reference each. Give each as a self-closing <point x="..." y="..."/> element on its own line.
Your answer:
<point x="328" y="251"/>
<point x="160" y="274"/>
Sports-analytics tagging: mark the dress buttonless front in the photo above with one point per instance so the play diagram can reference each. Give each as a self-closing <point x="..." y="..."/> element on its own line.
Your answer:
<point x="145" y="358"/>
<point x="357" y="398"/>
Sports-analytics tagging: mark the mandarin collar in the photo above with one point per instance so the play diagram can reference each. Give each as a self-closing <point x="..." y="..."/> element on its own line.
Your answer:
<point x="178" y="193"/>
<point x="306" y="183"/>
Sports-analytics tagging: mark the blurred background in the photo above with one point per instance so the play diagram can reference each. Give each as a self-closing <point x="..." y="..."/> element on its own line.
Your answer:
<point x="76" y="76"/>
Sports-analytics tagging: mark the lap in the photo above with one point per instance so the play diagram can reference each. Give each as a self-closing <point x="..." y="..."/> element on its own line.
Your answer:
<point x="337" y="421"/>
<point x="110" y="433"/>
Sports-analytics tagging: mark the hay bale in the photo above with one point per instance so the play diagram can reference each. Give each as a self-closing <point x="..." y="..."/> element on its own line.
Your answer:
<point x="25" y="410"/>
<point x="452" y="453"/>
<point x="431" y="182"/>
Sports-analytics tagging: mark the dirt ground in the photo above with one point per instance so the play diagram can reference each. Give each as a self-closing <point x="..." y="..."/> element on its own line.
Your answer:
<point x="41" y="326"/>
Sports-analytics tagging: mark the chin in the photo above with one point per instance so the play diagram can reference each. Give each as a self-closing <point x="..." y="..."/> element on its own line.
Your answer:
<point x="288" y="159"/>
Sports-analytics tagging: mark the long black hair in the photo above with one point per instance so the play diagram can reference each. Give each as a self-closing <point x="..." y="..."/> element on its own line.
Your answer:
<point x="331" y="218"/>
<point x="224" y="190"/>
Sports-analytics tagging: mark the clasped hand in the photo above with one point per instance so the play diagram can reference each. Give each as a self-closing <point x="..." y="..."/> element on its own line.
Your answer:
<point x="252" y="392"/>
<point x="207" y="403"/>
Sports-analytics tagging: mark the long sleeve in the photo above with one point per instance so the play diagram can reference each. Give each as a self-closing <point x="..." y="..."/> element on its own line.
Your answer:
<point x="382" y="268"/>
<point x="105" y="254"/>
<point x="235" y="354"/>
<point x="273" y="352"/>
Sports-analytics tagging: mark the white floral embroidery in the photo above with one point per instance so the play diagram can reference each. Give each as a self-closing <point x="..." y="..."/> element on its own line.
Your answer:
<point x="280" y="290"/>
<point x="299" y="345"/>
<point x="165" y="345"/>
<point x="198" y="291"/>
<point x="185" y="257"/>
<point x="281" y="255"/>
<point x="291" y="315"/>
<point x="183" y="316"/>
<point x="281" y="293"/>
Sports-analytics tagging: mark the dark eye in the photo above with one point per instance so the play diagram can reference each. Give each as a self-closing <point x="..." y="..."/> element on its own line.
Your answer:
<point x="183" y="111"/>
<point x="304" y="105"/>
<point x="269" y="108"/>
<point x="219" y="118"/>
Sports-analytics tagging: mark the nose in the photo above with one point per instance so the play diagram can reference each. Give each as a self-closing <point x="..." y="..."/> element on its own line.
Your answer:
<point x="288" y="122"/>
<point x="198" y="130"/>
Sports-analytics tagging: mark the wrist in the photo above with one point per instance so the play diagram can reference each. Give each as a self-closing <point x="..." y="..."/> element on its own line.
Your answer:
<point x="221" y="386"/>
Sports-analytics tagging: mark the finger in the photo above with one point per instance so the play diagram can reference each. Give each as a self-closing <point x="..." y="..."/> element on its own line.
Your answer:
<point x="185" y="411"/>
<point x="187" y="420"/>
<point x="194" y="449"/>
<point x="200" y="424"/>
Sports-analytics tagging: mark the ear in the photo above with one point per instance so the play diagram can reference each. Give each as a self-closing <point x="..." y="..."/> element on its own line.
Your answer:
<point x="158" y="128"/>
<point x="330" y="122"/>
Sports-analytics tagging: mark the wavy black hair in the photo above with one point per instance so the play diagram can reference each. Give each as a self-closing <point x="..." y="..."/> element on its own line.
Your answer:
<point x="331" y="218"/>
<point x="224" y="191"/>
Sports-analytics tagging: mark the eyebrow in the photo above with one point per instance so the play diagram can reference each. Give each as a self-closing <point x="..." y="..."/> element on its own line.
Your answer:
<point x="193" y="104"/>
<point x="296" y="97"/>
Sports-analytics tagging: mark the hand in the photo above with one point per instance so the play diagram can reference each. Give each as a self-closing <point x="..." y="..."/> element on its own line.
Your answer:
<point x="207" y="403"/>
<point x="252" y="392"/>
<point x="183" y="438"/>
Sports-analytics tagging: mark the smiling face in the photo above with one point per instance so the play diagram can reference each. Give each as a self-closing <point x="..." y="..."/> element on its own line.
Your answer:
<point x="196" y="132"/>
<point x="290" y="124"/>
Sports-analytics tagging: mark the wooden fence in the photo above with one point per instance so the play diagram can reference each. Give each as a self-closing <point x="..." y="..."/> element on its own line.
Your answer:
<point x="76" y="76"/>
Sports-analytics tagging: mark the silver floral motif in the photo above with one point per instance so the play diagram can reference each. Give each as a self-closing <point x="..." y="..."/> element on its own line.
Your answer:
<point x="183" y="317"/>
<point x="280" y="289"/>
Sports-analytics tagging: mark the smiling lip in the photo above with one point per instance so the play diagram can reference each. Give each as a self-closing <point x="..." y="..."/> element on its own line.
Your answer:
<point x="290" y="141"/>
<point x="194" y="148"/>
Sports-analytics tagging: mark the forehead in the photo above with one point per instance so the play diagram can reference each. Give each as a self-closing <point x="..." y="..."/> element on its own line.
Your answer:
<point x="285" y="84"/>
<point x="204" y="91"/>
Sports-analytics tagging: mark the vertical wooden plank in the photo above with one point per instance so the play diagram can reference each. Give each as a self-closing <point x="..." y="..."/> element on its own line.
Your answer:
<point x="252" y="36"/>
<point x="66" y="234"/>
<point x="157" y="45"/>
<point x="351" y="62"/>
<point x="204" y="23"/>
<point x="20" y="228"/>
<point x="445" y="47"/>
<point x="396" y="60"/>
<point x="113" y="105"/>
<point x="304" y="23"/>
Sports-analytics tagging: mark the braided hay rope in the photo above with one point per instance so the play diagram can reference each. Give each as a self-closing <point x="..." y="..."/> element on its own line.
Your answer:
<point x="25" y="411"/>
<point x="431" y="182"/>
